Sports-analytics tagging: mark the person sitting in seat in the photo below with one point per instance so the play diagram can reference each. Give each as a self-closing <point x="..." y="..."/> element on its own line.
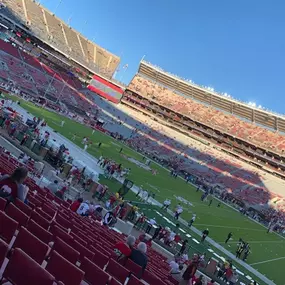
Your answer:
<point x="75" y="205"/>
<point x="124" y="249"/>
<point x="138" y="255"/>
<point x="83" y="208"/>
<point x="11" y="187"/>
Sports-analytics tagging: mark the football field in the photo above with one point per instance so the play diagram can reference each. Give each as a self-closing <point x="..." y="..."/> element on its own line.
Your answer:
<point x="267" y="250"/>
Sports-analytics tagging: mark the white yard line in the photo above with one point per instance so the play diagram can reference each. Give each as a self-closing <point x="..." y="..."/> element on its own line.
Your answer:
<point x="255" y="241"/>
<point x="228" y="227"/>
<point x="266" y="261"/>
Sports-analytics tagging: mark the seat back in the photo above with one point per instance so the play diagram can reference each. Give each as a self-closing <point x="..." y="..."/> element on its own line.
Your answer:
<point x="40" y="220"/>
<point x="23" y="207"/>
<point x="62" y="221"/>
<point x="65" y="250"/>
<point x="134" y="281"/>
<point x="58" y="232"/>
<point x="84" y="252"/>
<point x="114" y="281"/>
<point x="150" y="278"/>
<point x="41" y="233"/>
<point x="3" y="203"/>
<point x="94" y="275"/>
<point x="8" y="227"/>
<point x="100" y="259"/>
<point x="134" y="268"/>
<point x="22" y="269"/>
<point x="117" y="270"/>
<point x="63" y="270"/>
<point x="49" y="210"/>
<point x="31" y="245"/>
<point x="3" y="251"/>
<point x="16" y="214"/>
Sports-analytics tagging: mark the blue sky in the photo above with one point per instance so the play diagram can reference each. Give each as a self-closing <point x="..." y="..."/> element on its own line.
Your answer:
<point x="234" y="46"/>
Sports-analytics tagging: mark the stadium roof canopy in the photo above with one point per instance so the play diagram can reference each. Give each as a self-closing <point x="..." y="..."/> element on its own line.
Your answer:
<point x="208" y="97"/>
<point x="44" y="25"/>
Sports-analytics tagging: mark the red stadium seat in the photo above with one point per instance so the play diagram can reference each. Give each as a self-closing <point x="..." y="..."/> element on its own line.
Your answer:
<point x="44" y="214"/>
<point x="65" y="250"/>
<point x="40" y="220"/>
<point x="23" y="270"/>
<point x="151" y="279"/>
<point x="134" y="281"/>
<point x="31" y="245"/>
<point x="114" y="281"/>
<point x="134" y="268"/>
<point x="94" y="275"/>
<point x="16" y="214"/>
<point x="3" y="251"/>
<point x="117" y="270"/>
<point x="63" y="222"/>
<point x="58" y="232"/>
<point x="41" y="233"/>
<point x="8" y="227"/>
<point x="63" y="270"/>
<point x="23" y="207"/>
<point x="49" y="210"/>
<point x="3" y="203"/>
<point x="100" y="259"/>
<point x="84" y="252"/>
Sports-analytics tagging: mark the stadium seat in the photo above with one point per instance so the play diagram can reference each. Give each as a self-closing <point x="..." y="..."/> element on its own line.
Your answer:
<point x="58" y="232"/>
<point x="62" y="221"/>
<point x="94" y="275"/>
<point x="8" y="227"/>
<point x="31" y="245"/>
<point x="150" y="278"/>
<point x="49" y="210"/>
<point x="100" y="259"/>
<point x="3" y="251"/>
<point x="134" y="268"/>
<point x="3" y="203"/>
<point x="117" y="271"/>
<point x="40" y="220"/>
<point x="65" y="250"/>
<point x="44" y="214"/>
<point x="63" y="270"/>
<point x="41" y="233"/>
<point x="134" y="281"/>
<point x="16" y="214"/>
<point x="23" y="207"/>
<point x="114" y="281"/>
<point x="84" y="252"/>
<point x="21" y="269"/>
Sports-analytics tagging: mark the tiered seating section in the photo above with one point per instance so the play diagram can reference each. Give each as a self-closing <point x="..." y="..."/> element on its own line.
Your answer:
<point x="47" y="27"/>
<point x="37" y="79"/>
<point x="183" y="153"/>
<point x="226" y="123"/>
<point x="60" y="246"/>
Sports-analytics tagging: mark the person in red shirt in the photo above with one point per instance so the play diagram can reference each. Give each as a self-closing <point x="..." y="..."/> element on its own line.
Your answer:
<point x="212" y="282"/>
<point x="11" y="186"/>
<point x="124" y="249"/>
<point x="75" y="205"/>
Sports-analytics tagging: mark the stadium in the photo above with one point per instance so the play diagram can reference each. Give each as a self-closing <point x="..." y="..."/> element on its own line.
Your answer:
<point x="159" y="138"/>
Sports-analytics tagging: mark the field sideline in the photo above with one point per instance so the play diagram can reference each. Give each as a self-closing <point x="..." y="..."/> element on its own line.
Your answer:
<point x="220" y="221"/>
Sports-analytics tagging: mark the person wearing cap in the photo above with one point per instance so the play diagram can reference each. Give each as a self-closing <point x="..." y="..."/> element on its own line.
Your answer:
<point x="83" y="208"/>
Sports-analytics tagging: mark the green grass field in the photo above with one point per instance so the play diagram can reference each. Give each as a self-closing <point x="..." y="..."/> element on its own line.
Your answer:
<point x="267" y="249"/>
